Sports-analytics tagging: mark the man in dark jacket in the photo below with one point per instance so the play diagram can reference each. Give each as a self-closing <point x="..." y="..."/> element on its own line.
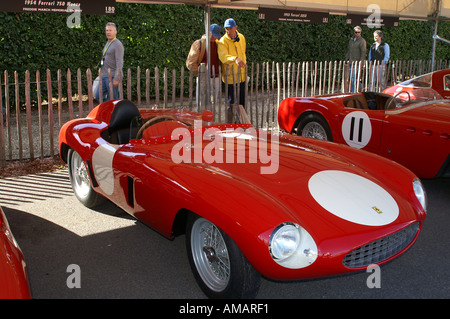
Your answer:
<point x="356" y="52"/>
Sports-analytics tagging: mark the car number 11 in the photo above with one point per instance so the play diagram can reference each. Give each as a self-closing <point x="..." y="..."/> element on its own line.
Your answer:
<point x="357" y="129"/>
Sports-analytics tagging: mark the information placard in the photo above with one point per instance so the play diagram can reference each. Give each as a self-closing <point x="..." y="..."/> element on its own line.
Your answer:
<point x="371" y="20"/>
<point x="40" y="6"/>
<point x="271" y="14"/>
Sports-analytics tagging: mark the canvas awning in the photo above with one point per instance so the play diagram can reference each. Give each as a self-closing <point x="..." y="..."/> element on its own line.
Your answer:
<point x="418" y="9"/>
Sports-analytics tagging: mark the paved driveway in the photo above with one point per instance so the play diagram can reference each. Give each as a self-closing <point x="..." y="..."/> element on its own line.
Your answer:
<point x="119" y="257"/>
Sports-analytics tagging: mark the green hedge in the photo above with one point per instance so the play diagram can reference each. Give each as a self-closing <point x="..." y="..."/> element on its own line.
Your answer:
<point x="160" y="35"/>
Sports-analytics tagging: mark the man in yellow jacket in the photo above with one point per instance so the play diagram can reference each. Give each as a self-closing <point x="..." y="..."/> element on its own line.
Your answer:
<point x="231" y="52"/>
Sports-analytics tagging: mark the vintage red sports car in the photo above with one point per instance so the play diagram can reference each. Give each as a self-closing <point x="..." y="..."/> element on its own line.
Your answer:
<point x="431" y="85"/>
<point x="412" y="132"/>
<point x="250" y="202"/>
<point x="13" y="274"/>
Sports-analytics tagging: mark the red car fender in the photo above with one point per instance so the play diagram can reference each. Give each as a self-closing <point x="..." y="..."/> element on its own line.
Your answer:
<point x="289" y="115"/>
<point x="13" y="274"/>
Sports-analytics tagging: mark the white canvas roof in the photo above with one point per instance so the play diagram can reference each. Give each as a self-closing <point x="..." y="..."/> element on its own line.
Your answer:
<point x="418" y="9"/>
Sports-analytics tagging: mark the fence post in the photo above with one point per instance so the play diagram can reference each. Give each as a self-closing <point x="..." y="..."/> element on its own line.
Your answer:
<point x="28" y="113"/>
<point x="50" y="111"/>
<point x="2" y="137"/>
<point x="18" y="122"/>
<point x="41" y="125"/>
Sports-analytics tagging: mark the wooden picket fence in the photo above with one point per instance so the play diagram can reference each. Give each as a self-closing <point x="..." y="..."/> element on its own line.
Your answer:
<point x="36" y="108"/>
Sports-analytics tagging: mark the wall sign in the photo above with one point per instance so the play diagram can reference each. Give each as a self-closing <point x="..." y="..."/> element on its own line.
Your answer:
<point x="40" y="6"/>
<point x="271" y="14"/>
<point x="369" y="19"/>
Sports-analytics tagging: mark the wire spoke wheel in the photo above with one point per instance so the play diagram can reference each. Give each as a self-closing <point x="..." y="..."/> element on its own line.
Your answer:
<point x="314" y="126"/>
<point x="314" y="130"/>
<point x="210" y="254"/>
<point x="219" y="266"/>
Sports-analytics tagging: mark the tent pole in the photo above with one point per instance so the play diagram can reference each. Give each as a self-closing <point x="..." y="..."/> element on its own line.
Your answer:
<point x="208" y="57"/>
<point x="436" y="22"/>
<point x="433" y="51"/>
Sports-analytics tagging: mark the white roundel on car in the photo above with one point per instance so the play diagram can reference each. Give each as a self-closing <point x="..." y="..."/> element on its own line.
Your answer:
<point x="353" y="198"/>
<point x="357" y="129"/>
<point x="102" y="165"/>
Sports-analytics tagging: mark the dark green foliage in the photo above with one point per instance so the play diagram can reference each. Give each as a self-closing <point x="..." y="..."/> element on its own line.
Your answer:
<point x="160" y="35"/>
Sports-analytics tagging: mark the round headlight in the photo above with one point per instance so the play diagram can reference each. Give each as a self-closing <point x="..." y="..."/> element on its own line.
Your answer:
<point x="284" y="241"/>
<point x="291" y="246"/>
<point x="419" y="190"/>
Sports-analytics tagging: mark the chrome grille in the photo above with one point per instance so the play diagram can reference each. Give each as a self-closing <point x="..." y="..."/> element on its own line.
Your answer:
<point x="382" y="248"/>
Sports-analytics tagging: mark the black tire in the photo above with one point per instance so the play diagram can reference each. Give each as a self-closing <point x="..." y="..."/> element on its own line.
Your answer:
<point x="221" y="271"/>
<point x="81" y="184"/>
<point x="314" y="126"/>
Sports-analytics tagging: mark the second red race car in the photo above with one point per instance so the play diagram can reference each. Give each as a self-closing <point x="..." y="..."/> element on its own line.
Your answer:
<point x="410" y="131"/>
<point x="432" y="85"/>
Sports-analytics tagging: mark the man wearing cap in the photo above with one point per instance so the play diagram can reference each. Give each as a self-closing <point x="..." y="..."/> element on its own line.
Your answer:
<point x="232" y="48"/>
<point x="356" y="52"/>
<point x="379" y="55"/>
<point x="197" y="56"/>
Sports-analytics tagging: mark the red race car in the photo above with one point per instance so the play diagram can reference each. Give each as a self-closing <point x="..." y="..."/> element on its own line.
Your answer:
<point x="250" y="202"/>
<point x="13" y="274"/>
<point x="434" y="85"/>
<point x="412" y="132"/>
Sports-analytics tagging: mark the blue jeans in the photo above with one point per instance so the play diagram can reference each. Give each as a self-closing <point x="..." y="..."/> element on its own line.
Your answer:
<point x="105" y="91"/>
<point x="352" y="74"/>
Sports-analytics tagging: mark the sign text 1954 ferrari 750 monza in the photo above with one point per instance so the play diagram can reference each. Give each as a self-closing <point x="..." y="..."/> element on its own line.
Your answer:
<point x="251" y="203"/>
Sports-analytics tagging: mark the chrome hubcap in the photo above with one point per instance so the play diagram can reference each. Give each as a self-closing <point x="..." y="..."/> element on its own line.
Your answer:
<point x="80" y="176"/>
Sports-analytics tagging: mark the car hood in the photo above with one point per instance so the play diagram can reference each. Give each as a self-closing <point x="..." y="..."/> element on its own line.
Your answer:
<point x="325" y="191"/>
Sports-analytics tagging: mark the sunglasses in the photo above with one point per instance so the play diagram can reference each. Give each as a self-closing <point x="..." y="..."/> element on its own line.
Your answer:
<point x="357" y="31"/>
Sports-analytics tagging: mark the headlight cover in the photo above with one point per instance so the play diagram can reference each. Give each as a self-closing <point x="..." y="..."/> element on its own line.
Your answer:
<point x="291" y="246"/>
<point x="419" y="190"/>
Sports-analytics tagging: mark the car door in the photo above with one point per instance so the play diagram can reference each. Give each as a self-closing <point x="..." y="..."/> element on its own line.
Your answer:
<point x="415" y="141"/>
